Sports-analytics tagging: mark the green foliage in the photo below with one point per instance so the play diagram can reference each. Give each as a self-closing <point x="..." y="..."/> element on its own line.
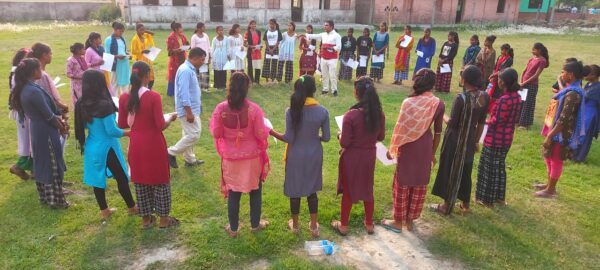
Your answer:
<point x="106" y="13"/>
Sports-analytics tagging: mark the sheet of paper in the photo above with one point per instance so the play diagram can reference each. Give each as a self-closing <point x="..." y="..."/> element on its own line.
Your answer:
<point x="152" y="54"/>
<point x="378" y="59"/>
<point x="523" y="93"/>
<point x="241" y="54"/>
<point x="310" y="53"/>
<point x="362" y="61"/>
<point x="445" y="68"/>
<point x="167" y="116"/>
<point x="116" y="101"/>
<point x="420" y="54"/>
<point x="13" y="69"/>
<point x="268" y="56"/>
<point x="406" y="41"/>
<point x="203" y="68"/>
<point x="229" y="65"/>
<point x="382" y="154"/>
<point x="56" y="80"/>
<point x="185" y="47"/>
<point x="60" y="85"/>
<point x="109" y="59"/>
<point x="339" y="120"/>
<point x="351" y="63"/>
<point x="485" y="129"/>
<point x="311" y="47"/>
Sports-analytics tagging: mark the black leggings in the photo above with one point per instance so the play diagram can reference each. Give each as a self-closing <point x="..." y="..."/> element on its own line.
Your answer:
<point x="253" y="73"/>
<point x="313" y="204"/>
<point x="113" y="164"/>
<point x="233" y="207"/>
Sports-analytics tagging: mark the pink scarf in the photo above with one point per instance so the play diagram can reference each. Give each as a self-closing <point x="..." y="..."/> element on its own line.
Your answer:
<point x="416" y="115"/>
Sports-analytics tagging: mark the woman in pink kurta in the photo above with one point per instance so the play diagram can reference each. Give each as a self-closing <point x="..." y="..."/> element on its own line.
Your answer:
<point x="93" y="54"/>
<point x="76" y="65"/>
<point x="240" y="135"/>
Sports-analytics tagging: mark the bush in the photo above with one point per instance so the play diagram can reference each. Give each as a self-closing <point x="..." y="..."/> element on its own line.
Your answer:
<point x="106" y="13"/>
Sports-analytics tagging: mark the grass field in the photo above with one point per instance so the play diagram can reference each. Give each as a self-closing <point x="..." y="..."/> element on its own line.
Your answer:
<point x="528" y="234"/>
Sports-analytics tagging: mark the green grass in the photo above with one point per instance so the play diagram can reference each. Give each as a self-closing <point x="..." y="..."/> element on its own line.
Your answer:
<point x="529" y="233"/>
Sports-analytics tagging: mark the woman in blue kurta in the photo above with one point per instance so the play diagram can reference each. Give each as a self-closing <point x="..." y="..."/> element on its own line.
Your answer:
<point x="46" y="127"/>
<point x="102" y="156"/>
<point x="381" y="40"/>
<point x="591" y="112"/>
<point x="115" y="45"/>
<point x="425" y="50"/>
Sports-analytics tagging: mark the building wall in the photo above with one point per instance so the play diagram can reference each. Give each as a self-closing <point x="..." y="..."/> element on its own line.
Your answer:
<point x="420" y="11"/>
<point x="25" y="10"/>
<point x="546" y="5"/>
<point x="199" y="10"/>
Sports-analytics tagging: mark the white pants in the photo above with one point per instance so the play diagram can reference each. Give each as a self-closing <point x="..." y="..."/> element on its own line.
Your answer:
<point x="114" y="89"/>
<point x="329" y="74"/>
<point x="190" y="135"/>
<point x="24" y="140"/>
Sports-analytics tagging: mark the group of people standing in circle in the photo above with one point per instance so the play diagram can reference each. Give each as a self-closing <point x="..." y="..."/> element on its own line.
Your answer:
<point x="490" y="97"/>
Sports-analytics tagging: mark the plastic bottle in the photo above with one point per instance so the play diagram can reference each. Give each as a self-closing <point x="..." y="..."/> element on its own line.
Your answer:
<point x="321" y="247"/>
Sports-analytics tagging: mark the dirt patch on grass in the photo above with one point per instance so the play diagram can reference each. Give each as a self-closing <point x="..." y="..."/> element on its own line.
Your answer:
<point x="261" y="264"/>
<point x="162" y="257"/>
<point x="389" y="250"/>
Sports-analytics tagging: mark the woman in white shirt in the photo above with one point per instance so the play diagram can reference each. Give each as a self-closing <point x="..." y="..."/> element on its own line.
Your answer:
<point x="272" y="38"/>
<point x="200" y="40"/>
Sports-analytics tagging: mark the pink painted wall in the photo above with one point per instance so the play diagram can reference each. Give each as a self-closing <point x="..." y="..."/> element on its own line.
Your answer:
<point x="419" y="11"/>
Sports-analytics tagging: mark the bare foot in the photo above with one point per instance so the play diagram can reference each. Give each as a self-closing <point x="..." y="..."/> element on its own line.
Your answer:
<point x="133" y="210"/>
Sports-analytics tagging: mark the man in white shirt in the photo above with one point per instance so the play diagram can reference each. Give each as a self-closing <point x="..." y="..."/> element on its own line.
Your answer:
<point x="331" y="44"/>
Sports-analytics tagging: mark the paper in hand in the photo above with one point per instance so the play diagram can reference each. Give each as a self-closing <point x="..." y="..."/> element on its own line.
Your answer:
<point x="351" y="63"/>
<point x="339" y="120"/>
<point x="56" y="80"/>
<point x="116" y="101"/>
<point x="378" y="59"/>
<point x="406" y="41"/>
<point x="229" y="65"/>
<point x="485" y="129"/>
<point x="445" y="68"/>
<point x="152" y="54"/>
<point x="362" y="62"/>
<point x="168" y="116"/>
<point x="241" y="54"/>
<point x="523" y="93"/>
<point x="382" y="155"/>
<point x="109" y="59"/>
<point x="420" y="54"/>
<point x="311" y="47"/>
<point x="185" y="47"/>
<point x="60" y="85"/>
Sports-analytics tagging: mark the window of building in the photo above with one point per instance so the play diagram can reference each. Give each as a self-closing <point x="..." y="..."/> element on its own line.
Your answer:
<point x="180" y="2"/>
<point x="501" y="4"/>
<point x="241" y="4"/>
<point x="535" y="3"/>
<point x="150" y="2"/>
<point x="324" y="4"/>
<point x="345" y="4"/>
<point x="273" y="4"/>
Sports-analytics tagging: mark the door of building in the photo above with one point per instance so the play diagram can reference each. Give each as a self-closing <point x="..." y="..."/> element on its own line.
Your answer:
<point x="460" y="10"/>
<point x="363" y="11"/>
<point x="297" y="10"/>
<point x="216" y="10"/>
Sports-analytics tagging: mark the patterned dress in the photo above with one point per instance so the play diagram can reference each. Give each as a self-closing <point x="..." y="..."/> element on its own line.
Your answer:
<point x="347" y="53"/>
<point x="447" y="54"/>
<point x="380" y="40"/>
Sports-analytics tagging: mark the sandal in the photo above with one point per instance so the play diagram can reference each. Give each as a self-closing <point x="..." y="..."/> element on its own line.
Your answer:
<point x="464" y="210"/>
<point x="314" y="232"/>
<point x="437" y="208"/>
<point x="291" y="227"/>
<point x="336" y="225"/>
<point x="386" y="224"/>
<point x="232" y="234"/>
<point x="261" y="226"/>
<point x="545" y="195"/>
<point x="173" y="222"/>
<point x="370" y="228"/>
<point x="150" y="224"/>
<point x="109" y="212"/>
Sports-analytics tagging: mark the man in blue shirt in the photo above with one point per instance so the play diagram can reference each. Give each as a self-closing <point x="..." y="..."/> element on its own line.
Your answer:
<point x="189" y="106"/>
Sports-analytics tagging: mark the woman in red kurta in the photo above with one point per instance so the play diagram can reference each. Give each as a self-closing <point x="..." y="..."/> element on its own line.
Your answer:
<point x="177" y="54"/>
<point x="362" y="128"/>
<point x="142" y="111"/>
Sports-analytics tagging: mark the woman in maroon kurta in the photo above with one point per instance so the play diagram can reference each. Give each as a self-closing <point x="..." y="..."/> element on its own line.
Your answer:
<point x="414" y="147"/>
<point x="147" y="148"/>
<point x="362" y="128"/>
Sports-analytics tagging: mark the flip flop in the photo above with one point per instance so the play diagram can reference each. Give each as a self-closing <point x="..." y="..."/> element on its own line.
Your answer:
<point x="291" y="227"/>
<point x="151" y="224"/>
<point x="232" y="234"/>
<point x="173" y="222"/>
<point x="336" y="224"/>
<point x="389" y="227"/>
<point x="545" y="195"/>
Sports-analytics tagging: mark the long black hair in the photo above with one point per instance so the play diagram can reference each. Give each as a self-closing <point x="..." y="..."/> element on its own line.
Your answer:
<point x="368" y="100"/>
<point x="19" y="56"/>
<point x="95" y="102"/>
<point x="455" y="36"/>
<point x="23" y="73"/>
<point x="238" y="90"/>
<point x="424" y="80"/>
<point x="38" y="50"/>
<point x="175" y="25"/>
<point x="472" y="75"/>
<point x="510" y="77"/>
<point x="93" y="36"/>
<point x="304" y="87"/>
<point x="139" y="71"/>
<point x="544" y="51"/>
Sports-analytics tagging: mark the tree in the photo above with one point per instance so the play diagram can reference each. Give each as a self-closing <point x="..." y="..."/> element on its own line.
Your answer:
<point x="573" y="3"/>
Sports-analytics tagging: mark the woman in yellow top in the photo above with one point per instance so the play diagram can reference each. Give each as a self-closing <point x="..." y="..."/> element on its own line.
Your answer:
<point x="141" y="43"/>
